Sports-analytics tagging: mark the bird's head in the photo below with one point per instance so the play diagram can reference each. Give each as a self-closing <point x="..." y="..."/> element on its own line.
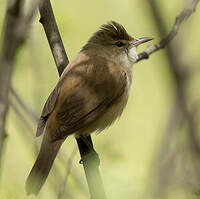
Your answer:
<point x="113" y="40"/>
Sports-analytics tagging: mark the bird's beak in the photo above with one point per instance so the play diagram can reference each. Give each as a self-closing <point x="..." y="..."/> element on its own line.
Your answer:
<point x="142" y="40"/>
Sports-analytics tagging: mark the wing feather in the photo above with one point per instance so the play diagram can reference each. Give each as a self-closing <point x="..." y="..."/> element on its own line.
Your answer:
<point x="97" y="89"/>
<point x="82" y="95"/>
<point x="48" y="108"/>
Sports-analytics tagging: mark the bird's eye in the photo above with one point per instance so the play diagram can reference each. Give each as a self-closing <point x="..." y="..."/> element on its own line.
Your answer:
<point x="119" y="44"/>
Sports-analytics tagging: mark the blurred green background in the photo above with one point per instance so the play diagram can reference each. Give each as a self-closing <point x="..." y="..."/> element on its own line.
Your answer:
<point x="128" y="149"/>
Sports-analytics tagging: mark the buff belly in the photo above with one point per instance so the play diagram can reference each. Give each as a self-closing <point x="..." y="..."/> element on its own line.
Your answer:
<point x="105" y="120"/>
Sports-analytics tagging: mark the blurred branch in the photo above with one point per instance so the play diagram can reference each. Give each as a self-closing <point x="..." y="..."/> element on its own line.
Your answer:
<point x="61" y="193"/>
<point x="75" y="175"/>
<point x="91" y="165"/>
<point x="24" y="106"/>
<point x="175" y="65"/>
<point x="35" y="118"/>
<point x="185" y="13"/>
<point x="16" y="27"/>
<point x="21" y="116"/>
<point x="181" y="114"/>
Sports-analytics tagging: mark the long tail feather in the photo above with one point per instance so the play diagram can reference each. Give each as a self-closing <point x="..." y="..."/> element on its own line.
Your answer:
<point x="42" y="166"/>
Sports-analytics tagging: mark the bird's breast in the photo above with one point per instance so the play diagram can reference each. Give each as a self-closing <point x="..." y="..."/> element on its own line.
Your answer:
<point x="113" y="112"/>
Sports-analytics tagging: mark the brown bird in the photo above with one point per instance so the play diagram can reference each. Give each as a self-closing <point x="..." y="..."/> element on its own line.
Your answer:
<point x="90" y="95"/>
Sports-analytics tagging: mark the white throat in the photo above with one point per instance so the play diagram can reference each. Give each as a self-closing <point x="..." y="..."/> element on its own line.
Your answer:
<point x="127" y="59"/>
<point x="132" y="54"/>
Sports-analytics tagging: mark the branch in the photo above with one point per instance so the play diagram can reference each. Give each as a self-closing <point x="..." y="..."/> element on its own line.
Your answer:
<point x="167" y="155"/>
<point x="55" y="42"/>
<point x="35" y="118"/>
<point x="185" y="14"/>
<point x="91" y="167"/>
<point x="16" y="27"/>
<point x="61" y="193"/>
<point x="24" y="106"/>
<point x="185" y="115"/>
<point x="176" y="66"/>
<point x="62" y="157"/>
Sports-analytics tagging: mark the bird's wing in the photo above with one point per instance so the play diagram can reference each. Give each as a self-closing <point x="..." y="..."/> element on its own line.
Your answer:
<point x="89" y="88"/>
<point x="47" y="109"/>
<point x="53" y="97"/>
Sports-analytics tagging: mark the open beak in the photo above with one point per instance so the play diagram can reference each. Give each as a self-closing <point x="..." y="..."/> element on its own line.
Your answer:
<point x="142" y="40"/>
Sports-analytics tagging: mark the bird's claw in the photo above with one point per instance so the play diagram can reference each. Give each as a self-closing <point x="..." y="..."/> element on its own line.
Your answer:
<point x="91" y="156"/>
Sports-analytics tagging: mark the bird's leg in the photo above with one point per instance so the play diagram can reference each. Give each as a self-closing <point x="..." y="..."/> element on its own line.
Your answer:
<point x="91" y="154"/>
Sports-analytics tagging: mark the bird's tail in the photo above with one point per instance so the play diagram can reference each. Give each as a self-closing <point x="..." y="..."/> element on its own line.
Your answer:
<point x="42" y="166"/>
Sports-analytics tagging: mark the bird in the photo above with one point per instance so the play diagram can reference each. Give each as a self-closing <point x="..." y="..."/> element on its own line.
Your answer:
<point x="89" y="96"/>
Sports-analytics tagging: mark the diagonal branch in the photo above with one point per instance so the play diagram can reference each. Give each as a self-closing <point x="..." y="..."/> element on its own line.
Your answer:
<point x="55" y="42"/>
<point x="91" y="167"/>
<point x="61" y="193"/>
<point x="16" y="26"/>
<point x="184" y="116"/>
<point x="24" y="106"/>
<point x="35" y="119"/>
<point x="187" y="12"/>
<point x="176" y="65"/>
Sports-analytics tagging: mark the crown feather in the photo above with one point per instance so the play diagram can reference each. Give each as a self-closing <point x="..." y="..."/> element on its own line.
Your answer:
<point x="111" y="31"/>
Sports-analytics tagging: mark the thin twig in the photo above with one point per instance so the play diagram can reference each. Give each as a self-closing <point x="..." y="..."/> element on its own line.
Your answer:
<point x="33" y="116"/>
<point x="61" y="192"/>
<point x="185" y="14"/>
<point x="176" y="65"/>
<point x="185" y="116"/>
<point x="24" y="106"/>
<point x="30" y="131"/>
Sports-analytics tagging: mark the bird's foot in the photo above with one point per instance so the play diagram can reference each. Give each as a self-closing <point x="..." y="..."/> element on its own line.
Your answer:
<point x="92" y="157"/>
